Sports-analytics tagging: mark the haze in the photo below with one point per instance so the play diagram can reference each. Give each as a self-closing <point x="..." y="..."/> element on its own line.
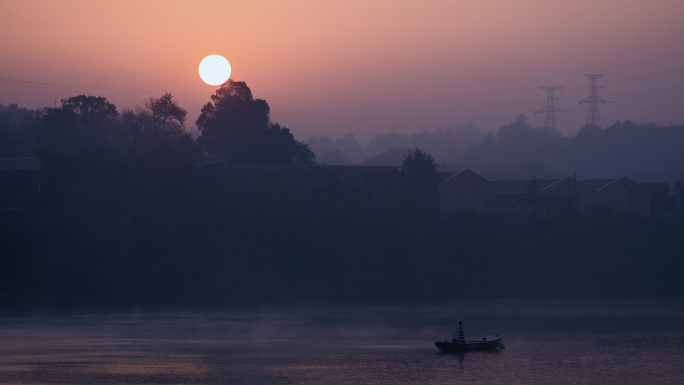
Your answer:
<point x="372" y="173"/>
<point x="327" y="68"/>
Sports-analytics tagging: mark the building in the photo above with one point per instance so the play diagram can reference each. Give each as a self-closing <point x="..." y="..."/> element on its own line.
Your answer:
<point x="466" y="191"/>
<point x="625" y="196"/>
<point x="572" y="190"/>
<point x="524" y="199"/>
<point x="518" y="198"/>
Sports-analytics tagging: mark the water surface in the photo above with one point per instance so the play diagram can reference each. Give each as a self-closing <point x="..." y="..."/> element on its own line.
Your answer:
<point x="615" y="341"/>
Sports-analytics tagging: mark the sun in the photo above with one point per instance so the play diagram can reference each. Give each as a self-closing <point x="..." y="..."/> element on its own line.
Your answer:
<point x="214" y="70"/>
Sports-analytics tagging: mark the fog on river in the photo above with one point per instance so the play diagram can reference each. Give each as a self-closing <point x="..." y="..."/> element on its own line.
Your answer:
<point x="560" y="341"/>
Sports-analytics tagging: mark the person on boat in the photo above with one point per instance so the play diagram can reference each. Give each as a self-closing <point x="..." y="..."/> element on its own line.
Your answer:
<point x="460" y="339"/>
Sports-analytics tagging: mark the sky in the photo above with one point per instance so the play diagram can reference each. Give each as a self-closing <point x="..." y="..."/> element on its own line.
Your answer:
<point x="366" y="67"/>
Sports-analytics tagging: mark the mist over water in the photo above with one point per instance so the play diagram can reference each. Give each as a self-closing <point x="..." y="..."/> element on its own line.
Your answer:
<point x="569" y="341"/>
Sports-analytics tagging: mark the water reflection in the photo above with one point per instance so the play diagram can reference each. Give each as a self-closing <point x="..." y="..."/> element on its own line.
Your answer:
<point x="476" y="358"/>
<point x="547" y="341"/>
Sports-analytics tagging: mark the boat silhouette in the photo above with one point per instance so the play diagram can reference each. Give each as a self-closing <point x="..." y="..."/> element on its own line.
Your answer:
<point x="461" y="344"/>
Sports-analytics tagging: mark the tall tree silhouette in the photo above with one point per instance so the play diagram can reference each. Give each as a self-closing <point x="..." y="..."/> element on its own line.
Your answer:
<point x="157" y="130"/>
<point x="59" y="131"/>
<point x="237" y="127"/>
<point x="95" y="117"/>
<point x="81" y="122"/>
<point x="419" y="174"/>
<point x="165" y="115"/>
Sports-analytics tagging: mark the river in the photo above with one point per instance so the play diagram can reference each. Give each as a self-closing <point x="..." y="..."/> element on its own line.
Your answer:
<point x="547" y="341"/>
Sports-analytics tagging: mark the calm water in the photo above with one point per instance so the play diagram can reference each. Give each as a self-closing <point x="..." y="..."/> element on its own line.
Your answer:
<point x="570" y="342"/>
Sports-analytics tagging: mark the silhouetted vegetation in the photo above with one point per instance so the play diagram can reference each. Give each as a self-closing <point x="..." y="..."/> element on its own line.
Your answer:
<point x="82" y="122"/>
<point x="643" y="152"/>
<point x="237" y="127"/>
<point x="421" y="180"/>
<point x="388" y="158"/>
<point x="121" y="216"/>
<point x="18" y="131"/>
<point x="447" y="146"/>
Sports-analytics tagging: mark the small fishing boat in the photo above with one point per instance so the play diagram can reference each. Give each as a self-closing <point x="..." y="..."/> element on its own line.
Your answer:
<point x="460" y="344"/>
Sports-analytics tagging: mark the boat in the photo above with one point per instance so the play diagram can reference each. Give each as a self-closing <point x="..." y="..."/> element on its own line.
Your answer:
<point x="460" y="344"/>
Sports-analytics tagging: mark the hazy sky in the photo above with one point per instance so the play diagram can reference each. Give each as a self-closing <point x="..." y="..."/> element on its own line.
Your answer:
<point x="330" y="67"/>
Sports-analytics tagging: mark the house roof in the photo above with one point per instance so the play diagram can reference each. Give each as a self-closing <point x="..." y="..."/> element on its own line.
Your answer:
<point x="466" y="171"/>
<point x="570" y="179"/>
<point x="27" y="163"/>
<point x="624" y="178"/>
<point x="519" y="187"/>
<point x="556" y="182"/>
<point x="596" y="184"/>
<point x="447" y="174"/>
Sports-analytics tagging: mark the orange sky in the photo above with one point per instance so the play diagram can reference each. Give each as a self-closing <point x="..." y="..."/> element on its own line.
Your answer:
<point x="330" y="67"/>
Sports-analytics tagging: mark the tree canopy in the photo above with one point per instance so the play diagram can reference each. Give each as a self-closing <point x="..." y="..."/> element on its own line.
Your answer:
<point x="419" y="169"/>
<point x="81" y="122"/>
<point x="165" y="114"/>
<point x="420" y="176"/>
<point x="238" y="127"/>
<point x="18" y="131"/>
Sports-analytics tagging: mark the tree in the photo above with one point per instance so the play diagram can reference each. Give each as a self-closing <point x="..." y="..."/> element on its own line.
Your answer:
<point x="59" y="131"/>
<point x="165" y="115"/>
<point x="95" y="116"/>
<point x="419" y="169"/>
<point x="350" y="147"/>
<point x="157" y="130"/>
<point x="515" y="136"/>
<point x="237" y="127"/>
<point x="392" y="157"/>
<point x="419" y="174"/>
<point x="326" y="151"/>
<point x="18" y="130"/>
<point x="81" y="122"/>
<point x="386" y="142"/>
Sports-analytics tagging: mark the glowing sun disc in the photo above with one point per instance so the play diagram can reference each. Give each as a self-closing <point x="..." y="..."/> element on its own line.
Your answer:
<point x="214" y="70"/>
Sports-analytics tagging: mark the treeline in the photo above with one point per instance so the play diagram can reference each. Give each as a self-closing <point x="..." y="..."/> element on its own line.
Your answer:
<point x="125" y="218"/>
<point x="386" y="149"/>
<point x="645" y="152"/>
<point x="18" y="131"/>
<point x="233" y="126"/>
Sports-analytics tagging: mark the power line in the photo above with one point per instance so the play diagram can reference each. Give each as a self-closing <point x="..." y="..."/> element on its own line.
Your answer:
<point x="357" y="91"/>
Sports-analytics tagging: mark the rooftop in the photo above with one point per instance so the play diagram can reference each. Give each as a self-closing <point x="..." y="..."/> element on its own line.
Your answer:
<point x="519" y="187"/>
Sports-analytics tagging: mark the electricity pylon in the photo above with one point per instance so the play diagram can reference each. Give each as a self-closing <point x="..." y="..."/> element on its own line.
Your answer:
<point x="593" y="117"/>
<point x="550" y="108"/>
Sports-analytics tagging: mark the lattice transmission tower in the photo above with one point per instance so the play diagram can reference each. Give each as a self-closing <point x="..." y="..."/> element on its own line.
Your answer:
<point x="550" y="108"/>
<point x="593" y="117"/>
